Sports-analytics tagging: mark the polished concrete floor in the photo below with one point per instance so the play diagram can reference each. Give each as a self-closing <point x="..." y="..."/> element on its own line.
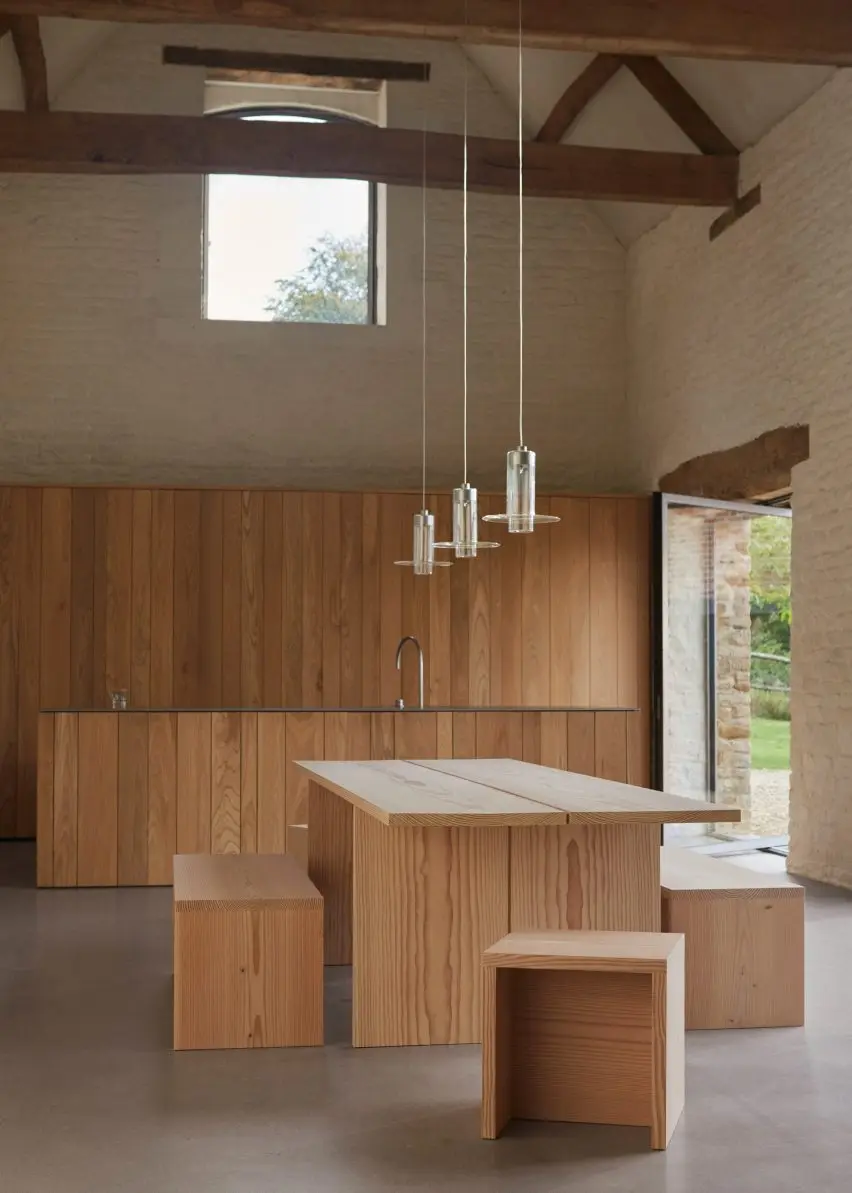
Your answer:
<point x="93" y="1101"/>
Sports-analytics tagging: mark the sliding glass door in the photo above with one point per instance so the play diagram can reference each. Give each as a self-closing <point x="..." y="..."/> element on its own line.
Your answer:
<point x="723" y="699"/>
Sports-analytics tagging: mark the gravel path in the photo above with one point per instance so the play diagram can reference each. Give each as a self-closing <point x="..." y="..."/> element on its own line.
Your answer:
<point x="770" y="802"/>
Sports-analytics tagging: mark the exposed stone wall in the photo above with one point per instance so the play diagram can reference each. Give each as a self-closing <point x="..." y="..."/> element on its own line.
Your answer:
<point x="733" y="663"/>
<point x="685" y="700"/>
<point x="708" y="552"/>
<point x="750" y="332"/>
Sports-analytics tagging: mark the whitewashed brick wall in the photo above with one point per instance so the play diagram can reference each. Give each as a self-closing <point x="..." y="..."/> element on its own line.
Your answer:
<point x="754" y="331"/>
<point x="107" y="371"/>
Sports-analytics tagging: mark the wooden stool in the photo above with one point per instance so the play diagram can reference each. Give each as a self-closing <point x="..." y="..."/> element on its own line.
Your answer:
<point x="248" y="953"/>
<point x="584" y="1027"/>
<point x="745" y="941"/>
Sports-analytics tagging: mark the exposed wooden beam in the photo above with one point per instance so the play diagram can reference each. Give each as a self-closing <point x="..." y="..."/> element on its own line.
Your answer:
<point x="91" y="143"/>
<point x="772" y="30"/>
<point x="578" y="96"/>
<point x="677" y="102"/>
<point x="735" y="213"/>
<point x="297" y="64"/>
<point x="26" y="36"/>
<point x="266" y="78"/>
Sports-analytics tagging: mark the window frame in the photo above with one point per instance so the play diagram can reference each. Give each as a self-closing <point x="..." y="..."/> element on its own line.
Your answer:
<point x="322" y="116"/>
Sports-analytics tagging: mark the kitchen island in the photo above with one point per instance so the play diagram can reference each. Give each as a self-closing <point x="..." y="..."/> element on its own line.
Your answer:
<point x="119" y="793"/>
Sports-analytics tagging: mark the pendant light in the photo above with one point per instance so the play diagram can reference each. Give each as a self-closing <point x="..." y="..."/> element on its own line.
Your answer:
<point x="520" y="515"/>
<point x="466" y="542"/>
<point x="423" y="560"/>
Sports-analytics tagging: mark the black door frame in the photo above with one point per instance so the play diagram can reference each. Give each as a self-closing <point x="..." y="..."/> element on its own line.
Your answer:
<point x="661" y="503"/>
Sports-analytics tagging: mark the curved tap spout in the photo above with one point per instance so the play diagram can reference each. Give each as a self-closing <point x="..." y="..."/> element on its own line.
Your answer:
<point x="399" y="650"/>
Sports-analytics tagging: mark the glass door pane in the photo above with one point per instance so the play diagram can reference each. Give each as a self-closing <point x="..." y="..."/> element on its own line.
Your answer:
<point x="725" y="723"/>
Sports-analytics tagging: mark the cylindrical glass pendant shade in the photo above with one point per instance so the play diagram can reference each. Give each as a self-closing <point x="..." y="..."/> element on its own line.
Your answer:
<point x="520" y="490"/>
<point x="466" y="542"/>
<point x="465" y="521"/>
<point x="423" y="546"/>
<point x="520" y="515"/>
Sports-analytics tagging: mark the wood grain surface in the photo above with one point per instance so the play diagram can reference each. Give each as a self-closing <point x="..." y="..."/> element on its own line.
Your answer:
<point x="133" y="791"/>
<point x="162" y="796"/>
<point x="207" y="882"/>
<point x="150" y="799"/>
<point x="584" y="1027"/>
<point x="691" y="875"/>
<point x="745" y="942"/>
<point x="586" y="876"/>
<point x="426" y="902"/>
<point x="330" y="868"/>
<point x="97" y="800"/>
<point x="407" y="793"/>
<point x="585" y="799"/>
<point x="248" y="599"/>
<point x="248" y="958"/>
<point x="542" y="948"/>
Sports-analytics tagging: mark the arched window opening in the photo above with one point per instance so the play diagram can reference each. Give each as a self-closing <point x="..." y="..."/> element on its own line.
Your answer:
<point x="289" y="250"/>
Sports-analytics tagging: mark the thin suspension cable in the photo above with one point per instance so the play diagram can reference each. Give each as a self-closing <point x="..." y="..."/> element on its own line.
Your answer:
<point x="423" y="308"/>
<point x="465" y="254"/>
<point x="521" y="221"/>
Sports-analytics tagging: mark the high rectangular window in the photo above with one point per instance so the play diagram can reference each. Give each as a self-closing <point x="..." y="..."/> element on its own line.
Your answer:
<point x="289" y="250"/>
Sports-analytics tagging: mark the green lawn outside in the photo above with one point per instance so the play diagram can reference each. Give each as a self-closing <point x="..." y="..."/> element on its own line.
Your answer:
<point x="770" y="744"/>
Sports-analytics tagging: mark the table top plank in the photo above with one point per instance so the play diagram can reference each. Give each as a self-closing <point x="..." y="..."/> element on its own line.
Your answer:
<point x="584" y="798"/>
<point x="403" y="793"/>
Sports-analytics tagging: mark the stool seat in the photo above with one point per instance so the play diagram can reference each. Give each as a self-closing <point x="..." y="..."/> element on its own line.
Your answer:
<point x="745" y="941"/>
<point x="584" y="1027"/>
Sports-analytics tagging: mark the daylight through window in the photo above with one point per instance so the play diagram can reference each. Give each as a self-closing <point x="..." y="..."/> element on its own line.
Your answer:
<point x="289" y="250"/>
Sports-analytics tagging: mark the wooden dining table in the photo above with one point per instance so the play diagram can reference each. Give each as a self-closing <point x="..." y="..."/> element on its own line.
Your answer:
<point x="425" y="864"/>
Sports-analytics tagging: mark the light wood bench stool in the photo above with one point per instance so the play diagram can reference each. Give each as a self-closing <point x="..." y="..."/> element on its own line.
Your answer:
<point x="584" y="1027"/>
<point x="745" y="941"/>
<point x="248" y="953"/>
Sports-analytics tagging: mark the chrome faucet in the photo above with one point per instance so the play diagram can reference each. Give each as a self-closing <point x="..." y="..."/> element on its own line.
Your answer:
<point x="410" y="638"/>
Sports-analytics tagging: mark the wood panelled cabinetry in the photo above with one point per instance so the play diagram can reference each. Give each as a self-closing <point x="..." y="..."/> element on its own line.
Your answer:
<point x="252" y="599"/>
<point x="121" y="793"/>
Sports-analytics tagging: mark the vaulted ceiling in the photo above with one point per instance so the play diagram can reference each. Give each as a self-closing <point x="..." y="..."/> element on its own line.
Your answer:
<point x="744" y="99"/>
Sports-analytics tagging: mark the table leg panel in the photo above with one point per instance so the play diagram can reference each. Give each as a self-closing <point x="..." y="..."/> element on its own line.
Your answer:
<point x="330" y="869"/>
<point x="427" y="902"/>
<point x="586" y="876"/>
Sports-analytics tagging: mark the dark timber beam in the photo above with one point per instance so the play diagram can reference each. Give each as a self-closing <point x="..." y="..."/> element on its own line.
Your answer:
<point x="578" y="96"/>
<point x="91" y="143"/>
<point x="679" y="105"/>
<point x="817" y="31"/>
<point x="297" y="64"/>
<point x="26" y="36"/>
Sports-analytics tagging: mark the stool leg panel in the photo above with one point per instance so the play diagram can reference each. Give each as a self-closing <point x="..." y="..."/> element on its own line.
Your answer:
<point x="667" y="1050"/>
<point x="496" y="1051"/>
<point x="744" y="961"/>
<point x="210" y="995"/>
<point x="284" y="977"/>
<point x="248" y="978"/>
<point x="330" y="868"/>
